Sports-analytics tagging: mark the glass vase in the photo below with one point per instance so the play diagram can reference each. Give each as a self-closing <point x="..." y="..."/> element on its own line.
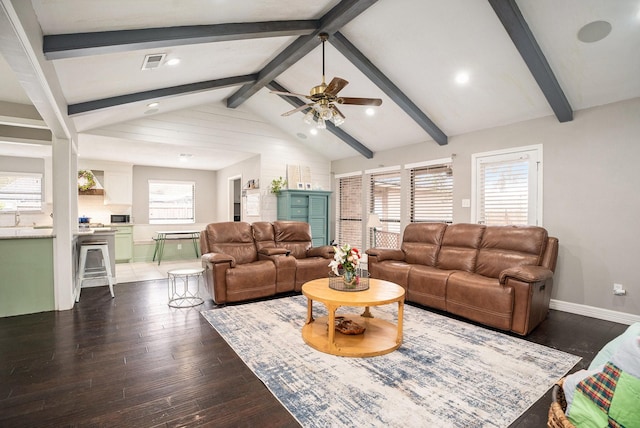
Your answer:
<point x="350" y="279"/>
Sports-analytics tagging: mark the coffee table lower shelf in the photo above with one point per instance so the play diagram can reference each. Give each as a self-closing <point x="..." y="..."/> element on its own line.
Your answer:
<point x="379" y="338"/>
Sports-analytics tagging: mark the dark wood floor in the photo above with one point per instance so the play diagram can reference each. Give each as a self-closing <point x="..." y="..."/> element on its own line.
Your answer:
<point x="134" y="362"/>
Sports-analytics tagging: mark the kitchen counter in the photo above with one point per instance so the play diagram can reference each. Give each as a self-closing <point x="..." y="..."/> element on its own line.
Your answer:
<point x="25" y="232"/>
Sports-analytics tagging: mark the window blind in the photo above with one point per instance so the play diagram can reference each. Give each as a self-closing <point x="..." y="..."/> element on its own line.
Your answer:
<point x="349" y="211"/>
<point x="386" y="199"/>
<point x="20" y="192"/>
<point x="431" y="194"/>
<point x="171" y="202"/>
<point x="504" y="192"/>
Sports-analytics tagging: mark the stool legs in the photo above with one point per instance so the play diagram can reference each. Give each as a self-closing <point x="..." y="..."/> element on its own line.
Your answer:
<point x="85" y="272"/>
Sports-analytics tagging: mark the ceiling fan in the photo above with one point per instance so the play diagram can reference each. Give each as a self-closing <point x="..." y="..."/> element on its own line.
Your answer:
<point x="324" y="99"/>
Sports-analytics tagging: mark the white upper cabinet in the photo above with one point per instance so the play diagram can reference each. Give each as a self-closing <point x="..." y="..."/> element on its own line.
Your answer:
<point x="118" y="187"/>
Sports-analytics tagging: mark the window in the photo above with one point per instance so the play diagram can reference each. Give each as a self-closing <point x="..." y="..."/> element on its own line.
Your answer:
<point x="349" y="210"/>
<point x="171" y="202"/>
<point x="20" y="192"/>
<point x="508" y="187"/>
<point x="385" y="200"/>
<point x="431" y="188"/>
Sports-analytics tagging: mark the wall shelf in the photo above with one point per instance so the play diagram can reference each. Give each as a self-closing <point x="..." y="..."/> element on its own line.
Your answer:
<point x="91" y="192"/>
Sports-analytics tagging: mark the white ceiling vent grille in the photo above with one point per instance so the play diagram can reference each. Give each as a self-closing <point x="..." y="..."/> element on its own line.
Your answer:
<point x="152" y="61"/>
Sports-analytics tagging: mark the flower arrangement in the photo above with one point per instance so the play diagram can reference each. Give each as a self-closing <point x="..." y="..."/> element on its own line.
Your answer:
<point x="346" y="258"/>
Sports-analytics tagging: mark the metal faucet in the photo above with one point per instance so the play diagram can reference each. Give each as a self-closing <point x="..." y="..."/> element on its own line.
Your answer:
<point x="17" y="219"/>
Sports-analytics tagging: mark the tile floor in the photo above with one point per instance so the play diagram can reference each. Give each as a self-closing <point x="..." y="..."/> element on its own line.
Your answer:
<point x="132" y="272"/>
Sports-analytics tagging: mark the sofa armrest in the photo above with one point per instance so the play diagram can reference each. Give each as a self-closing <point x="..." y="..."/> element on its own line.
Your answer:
<point x="382" y="254"/>
<point x="274" y="251"/>
<point x="530" y="274"/>
<point x="215" y="258"/>
<point x="325" y="251"/>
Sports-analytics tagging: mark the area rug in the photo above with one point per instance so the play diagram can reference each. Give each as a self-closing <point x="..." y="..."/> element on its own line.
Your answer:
<point x="447" y="373"/>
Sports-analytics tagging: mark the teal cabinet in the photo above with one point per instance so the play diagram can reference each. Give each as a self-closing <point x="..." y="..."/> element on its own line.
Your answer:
<point x="310" y="206"/>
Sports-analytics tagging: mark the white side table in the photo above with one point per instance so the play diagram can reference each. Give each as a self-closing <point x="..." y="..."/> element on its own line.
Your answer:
<point x="184" y="287"/>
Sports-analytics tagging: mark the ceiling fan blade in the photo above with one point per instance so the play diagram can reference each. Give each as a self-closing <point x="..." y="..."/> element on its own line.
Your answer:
<point x="289" y="94"/>
<point x="360" y="101"/>
<point x="295" y="110"/>
<point x="335" y="86"/>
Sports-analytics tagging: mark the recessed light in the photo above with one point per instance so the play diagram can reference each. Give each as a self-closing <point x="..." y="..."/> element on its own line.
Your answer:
<point x="370" y="111"/>
<point x="173" y="61"/>
<point x="594" y="31"/>
<point x="313" y="131"/>
<point x="462" y="78"/>
<point x="152" y="105"/>
<point x="301" y="135"/>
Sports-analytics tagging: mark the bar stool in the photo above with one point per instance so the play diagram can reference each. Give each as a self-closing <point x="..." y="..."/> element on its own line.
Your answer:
<point x="86" y="272"/>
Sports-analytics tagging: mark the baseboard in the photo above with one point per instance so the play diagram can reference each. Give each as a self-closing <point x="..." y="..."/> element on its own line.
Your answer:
<point x="592" y="311"/>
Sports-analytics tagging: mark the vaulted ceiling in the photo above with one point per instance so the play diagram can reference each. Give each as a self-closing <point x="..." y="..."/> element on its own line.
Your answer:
<point x="524" y="59"/>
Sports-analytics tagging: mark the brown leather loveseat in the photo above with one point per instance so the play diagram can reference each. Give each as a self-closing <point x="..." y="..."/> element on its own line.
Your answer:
<point x="500" y="276"/>
<point x="245" y="261"/>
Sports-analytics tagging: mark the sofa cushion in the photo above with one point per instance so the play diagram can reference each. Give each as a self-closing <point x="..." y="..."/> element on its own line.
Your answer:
<point x="391" y="270"/>
<point x="460" y="247"/>
<point x="263" y="235"/>
<point x="251" y="281"/>
<point x="295" y="236"/>
<point x="309" y="269"/>
<point x="505" y="247"/>
<point x="427" y="286"/>
<point x="233" y="238"/>
<point x="480" y="298"/>
<point x="421" y="241"/>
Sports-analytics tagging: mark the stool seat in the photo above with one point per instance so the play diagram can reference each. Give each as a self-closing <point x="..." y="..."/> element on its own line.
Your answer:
<point x="93" y="272"/>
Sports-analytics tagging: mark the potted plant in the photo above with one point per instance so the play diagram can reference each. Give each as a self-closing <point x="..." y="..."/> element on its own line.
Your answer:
<point x="277" y="184"/>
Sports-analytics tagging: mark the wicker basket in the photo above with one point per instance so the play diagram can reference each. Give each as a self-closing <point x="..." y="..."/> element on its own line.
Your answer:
<point x="557" y="418"/>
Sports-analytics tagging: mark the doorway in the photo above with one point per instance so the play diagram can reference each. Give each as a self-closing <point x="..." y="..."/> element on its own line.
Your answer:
<point x="235" y="200"/>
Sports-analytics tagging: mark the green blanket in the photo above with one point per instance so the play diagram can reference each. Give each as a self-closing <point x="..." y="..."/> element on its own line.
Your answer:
<point x="608" y="396"/>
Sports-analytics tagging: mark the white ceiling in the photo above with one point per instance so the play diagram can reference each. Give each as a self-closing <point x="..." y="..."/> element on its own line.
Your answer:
<point x="419" y="45"/>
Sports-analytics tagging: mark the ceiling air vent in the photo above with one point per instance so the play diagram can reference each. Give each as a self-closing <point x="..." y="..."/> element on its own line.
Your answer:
<point x="152" y="61"/>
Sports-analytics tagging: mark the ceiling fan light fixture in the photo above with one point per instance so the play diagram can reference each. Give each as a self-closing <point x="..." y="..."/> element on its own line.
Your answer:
<point x="321" y="123"/>
<point x="308" y="118"/>
<point x="337" y="119"/>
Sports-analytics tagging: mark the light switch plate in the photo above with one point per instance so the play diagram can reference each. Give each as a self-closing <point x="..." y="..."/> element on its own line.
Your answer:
<point x="466" y="203"/>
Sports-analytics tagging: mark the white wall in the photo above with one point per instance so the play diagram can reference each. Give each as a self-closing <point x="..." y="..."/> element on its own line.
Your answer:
<point x="271" y="164"/>
<point x="591" y="200"/>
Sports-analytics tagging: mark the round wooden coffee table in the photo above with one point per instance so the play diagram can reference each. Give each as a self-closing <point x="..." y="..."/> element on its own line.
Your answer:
<point x="380" y="336"/>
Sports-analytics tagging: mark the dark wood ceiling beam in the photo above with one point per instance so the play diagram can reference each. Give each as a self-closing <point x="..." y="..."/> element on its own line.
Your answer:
<point x="357" y="58"/>
<point x="331" y="22"/>
<point x="524" y="40"/>
<point x="296" y="102"/>
<point x="156" y="94"/>
<point x="60" y="46"/>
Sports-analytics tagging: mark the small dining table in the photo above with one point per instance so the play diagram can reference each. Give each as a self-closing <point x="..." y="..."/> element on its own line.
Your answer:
<point x="163" y="236"/>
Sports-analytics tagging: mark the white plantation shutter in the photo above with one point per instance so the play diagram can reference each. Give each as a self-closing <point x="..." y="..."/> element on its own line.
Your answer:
<point x="349" y="210"/>
<point x="385" y="199"/>
<point x="20" y="192"/>
<point x="431" y="194"/>
<point x="508" y="188"/>
<point x="171" y="202"/>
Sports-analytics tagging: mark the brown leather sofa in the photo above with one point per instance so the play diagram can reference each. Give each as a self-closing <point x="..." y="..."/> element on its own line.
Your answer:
<point x="245" y="261"/>
<point x="500" y="276"/>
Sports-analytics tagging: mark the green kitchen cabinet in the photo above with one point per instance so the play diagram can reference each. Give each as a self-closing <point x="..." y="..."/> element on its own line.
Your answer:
<point x="310" y="206"/>
<point x="124" y="243"/>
